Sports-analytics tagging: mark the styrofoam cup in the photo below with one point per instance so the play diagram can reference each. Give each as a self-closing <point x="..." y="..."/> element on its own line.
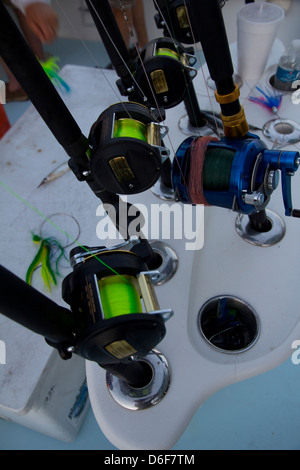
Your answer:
<point x="257" y="29"/>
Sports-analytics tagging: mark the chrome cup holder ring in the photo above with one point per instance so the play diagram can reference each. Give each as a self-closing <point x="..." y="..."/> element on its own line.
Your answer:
<point x="151" y="394"/>
<point x="163" y="192"/>
<point x="169" y="262"/>
<point x="187" y="129"/>
<point x="262" y="239"/>
<point x="236" y="78"/>
<point x="282" y="131"/>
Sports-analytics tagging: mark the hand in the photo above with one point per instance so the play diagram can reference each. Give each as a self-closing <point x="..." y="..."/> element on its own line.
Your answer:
<point x="42" y="20"/>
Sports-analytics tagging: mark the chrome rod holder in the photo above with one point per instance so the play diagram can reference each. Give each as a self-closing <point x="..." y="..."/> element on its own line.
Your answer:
<point x="151" y="394"/>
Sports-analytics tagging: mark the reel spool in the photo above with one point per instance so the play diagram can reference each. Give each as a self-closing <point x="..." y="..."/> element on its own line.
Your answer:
<point x="127" y="149"/>
<point x="166" y="70"/>
<point x="117" y="314"/>
<point x="237" y="174"/>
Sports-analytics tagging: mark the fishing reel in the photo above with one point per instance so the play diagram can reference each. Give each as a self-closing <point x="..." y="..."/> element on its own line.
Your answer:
<point x="112" y="297"/>
<point x="165" y="72"/>
<point x="173" y="17"/>
<point x="127" y="150"/>
<point x="237" y="174"/>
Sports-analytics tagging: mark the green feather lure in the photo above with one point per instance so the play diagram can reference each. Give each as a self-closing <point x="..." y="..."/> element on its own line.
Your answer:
<point x="48" y="249"/>
<point x="51" y="68"/>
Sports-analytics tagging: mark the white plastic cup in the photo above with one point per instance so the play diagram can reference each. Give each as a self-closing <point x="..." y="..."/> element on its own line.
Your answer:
<point x="258" y="24"/>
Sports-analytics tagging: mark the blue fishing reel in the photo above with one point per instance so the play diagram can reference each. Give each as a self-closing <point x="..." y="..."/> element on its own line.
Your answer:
<point x="237" y="174"/>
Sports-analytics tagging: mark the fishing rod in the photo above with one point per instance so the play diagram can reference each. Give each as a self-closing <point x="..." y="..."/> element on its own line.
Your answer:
<point x="18" y="56"/>
<point x="115" y="317"/>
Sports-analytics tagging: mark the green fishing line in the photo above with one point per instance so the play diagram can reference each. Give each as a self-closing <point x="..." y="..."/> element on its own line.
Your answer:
<point x="30" y="206"/>
<point x="168" y="53"/>
<point x="130" y="128"/>
<point x="217" y="169"/>
<point x="118" y="298"/>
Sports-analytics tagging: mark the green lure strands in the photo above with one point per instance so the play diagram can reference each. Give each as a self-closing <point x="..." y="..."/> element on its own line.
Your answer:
<point x="51" y="69"/>
<point x="47" y="249"/>
<point x="46" y="219"/>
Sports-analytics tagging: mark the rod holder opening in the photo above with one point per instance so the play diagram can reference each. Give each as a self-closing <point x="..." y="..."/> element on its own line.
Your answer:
<point x="229" y="324"/>
<point x="267" y="238"/>
<point x="147" y="395"/>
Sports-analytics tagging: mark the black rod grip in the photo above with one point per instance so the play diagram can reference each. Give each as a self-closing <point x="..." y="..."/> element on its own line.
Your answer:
<point x="112" y="38"/>
<point x="260" y="222"/>
<point x="27" y="70"/>
<point x="295" y="213"/>
<point x="135" y="373"/>
<point x="192" y="107"/>
<point x="213" y="37"/>
<point x="25" y="305"/>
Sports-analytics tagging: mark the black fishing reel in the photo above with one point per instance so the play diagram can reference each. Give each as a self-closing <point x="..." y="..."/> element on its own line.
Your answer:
<point x="115" y="308"/>
<point x="174" y="18"/>
<point x="165" y="72"/>
<point x="127" y="150"/>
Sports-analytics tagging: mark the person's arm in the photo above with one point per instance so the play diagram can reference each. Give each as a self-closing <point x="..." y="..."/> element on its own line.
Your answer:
<point x="41" y="18"/>
<point x="22" y="4"/>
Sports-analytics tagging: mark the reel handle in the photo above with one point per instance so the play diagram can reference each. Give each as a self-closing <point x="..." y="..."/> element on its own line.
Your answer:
<point x="288" y="163"/>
